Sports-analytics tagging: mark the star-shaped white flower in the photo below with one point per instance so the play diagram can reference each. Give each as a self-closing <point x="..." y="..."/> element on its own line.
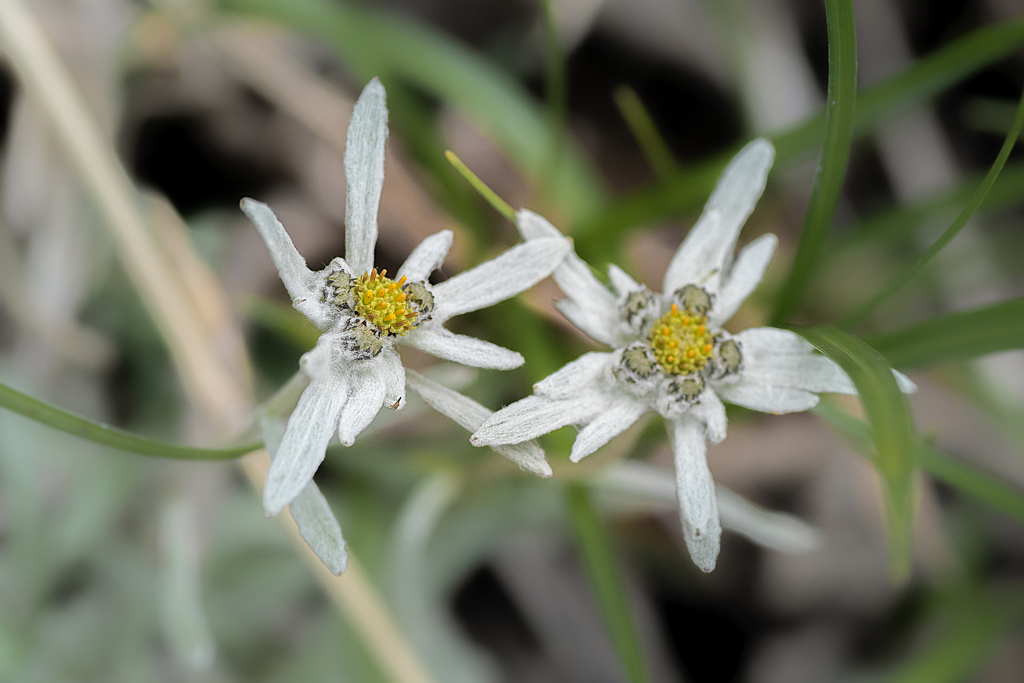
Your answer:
<point x="363" y="314"/>
<point x="671" y="354"/>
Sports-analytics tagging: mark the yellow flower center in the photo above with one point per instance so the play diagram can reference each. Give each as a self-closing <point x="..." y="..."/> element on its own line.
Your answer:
<point x="681" y="342"/>
<point x="382" y="302"/>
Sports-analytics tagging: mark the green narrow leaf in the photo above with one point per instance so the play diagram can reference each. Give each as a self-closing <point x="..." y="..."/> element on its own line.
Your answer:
<point x="499" y="204"/>
<point x="955" y="336"/>
<point x="374" y="42"/>
<point x="599" y="560"/>
<point x="687" y="188"/>
<point x="971" y="633"/>
<point x="892" y="431"/>
<point x="91" y="430"/>
<point x="960" y="475"/>
<point x="835" y="153"/>
<point x="656" y="151"/>
<point x="899" y="221"/>
<point x="952" y="231"/>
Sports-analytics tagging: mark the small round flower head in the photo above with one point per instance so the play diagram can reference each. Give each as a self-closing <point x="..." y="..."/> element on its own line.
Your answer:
<point x="671" y="354"/>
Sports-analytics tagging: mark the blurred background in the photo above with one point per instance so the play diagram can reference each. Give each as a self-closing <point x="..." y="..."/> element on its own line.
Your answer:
<point x="612" y="118"/>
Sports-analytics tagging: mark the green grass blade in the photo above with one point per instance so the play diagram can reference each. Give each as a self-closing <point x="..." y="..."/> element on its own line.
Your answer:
<point x="686" y="189"/>
<point x="955" y="336"/>
<point x="952" y="231"/>
<point x="972" y="631"/>
<point x="892" y="431"/>
<point x="898" y="222"/>
<point x="974" y="482"/>
<point x="835" y="153"/>
<point x="655" y="150"/>
<point x="960" y="475"/>
<point x="499" y="204"/>
<point x="599" y="560"/>
<point x="91" y="430"/>
<point x="373" y="42"/>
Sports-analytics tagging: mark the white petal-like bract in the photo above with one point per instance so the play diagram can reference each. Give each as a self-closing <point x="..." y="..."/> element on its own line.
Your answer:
<point x="744" y="276"/>
<point x="470" y="415"/>
<point x="427" y="257"/>
<point x="309" y="430"/>
<point x="615" y="419"/>
<point x="695" y="489"/>
<point x="459" y="348"/>
<point x="364" y="175"/>
<point x="504" y="276"/>
<point x="707" y="250"/>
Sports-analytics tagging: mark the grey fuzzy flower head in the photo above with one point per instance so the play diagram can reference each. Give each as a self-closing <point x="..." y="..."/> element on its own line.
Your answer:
<point x="670" y="353"/>
<point x="363" y="313"/>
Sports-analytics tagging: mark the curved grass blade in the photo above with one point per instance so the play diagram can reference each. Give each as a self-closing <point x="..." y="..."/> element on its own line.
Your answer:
<point x="91" y="430"/>
<point x="835" y="153"/>
<point x="599" y="560"/>
<point x="377" y="43"/>
<point x="686" y="189"/>
<point x="952" y="231"/>
<point x="955" y="336"/>
<point x="891" y="429"/>
<point x="960" y="475"/>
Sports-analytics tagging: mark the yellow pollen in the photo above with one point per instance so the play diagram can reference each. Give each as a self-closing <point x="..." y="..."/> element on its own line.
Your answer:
<point x="381" y="302"/>
<point x="680" y="341"/>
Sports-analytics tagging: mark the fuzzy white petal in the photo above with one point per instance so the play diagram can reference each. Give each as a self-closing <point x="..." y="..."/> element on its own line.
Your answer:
<point x="364" y="174"/>
<point x="645" y="484"/>
<point x="580" y="374"/>
<point x="302" y="449"/>
<point x="316" y="363"/>
<point x="470" y="415"/>
<point x="744" y="277"/>
<point x="591" y="300"/>
<point x="319" y="528"/>
<point x="290" y="265"/>
<point x="773" y="357"/>
<point x="768" y="399"/>
<point x="427" y="257"/>
<point x="768" y="528"/>
<point x="710" y="411"/>
<point x="477" y="353"/>
<point x="533" y="226"/>
<point x="597" y="322"/>
<point x="617" y="418"/>
<point x="707" y="250"/>
<point x="317" y="524"/>
<point x="532" y="416"/>
<point x="621" y="280"/>
<point x="366" y="398"/>
<point x="695" y="490"/>
<point x="504" y="276"/>
<point x="392" y="375"/>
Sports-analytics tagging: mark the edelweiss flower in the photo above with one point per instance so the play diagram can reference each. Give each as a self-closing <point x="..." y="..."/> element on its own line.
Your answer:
<point x="363" y="313"/>
<point x="672" y="355"/>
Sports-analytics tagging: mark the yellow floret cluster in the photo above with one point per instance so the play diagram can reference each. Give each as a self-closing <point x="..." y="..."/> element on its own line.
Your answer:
<point x="381" y="301"/>
<point x="681" y="342"/>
